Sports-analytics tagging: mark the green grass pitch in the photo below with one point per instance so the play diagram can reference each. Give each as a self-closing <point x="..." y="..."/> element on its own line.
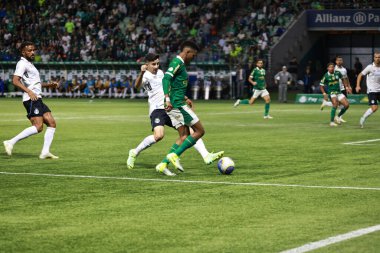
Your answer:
<point x="120" y="210"/>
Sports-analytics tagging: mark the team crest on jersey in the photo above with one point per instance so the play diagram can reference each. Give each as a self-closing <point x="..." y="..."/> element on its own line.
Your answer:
<point x="36" y="111"/>
<point x="170" y="69"/>
<point x="157" y="120"/>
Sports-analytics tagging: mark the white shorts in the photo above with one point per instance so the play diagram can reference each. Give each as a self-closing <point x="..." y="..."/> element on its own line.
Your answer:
<point x="260" y="93"/>
<point x="340" y="96"/>
<point x="183" y="116"/>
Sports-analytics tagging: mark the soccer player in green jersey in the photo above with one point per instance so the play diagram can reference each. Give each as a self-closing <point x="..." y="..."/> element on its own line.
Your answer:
<point x="257" y="79"/>
<point x="178" y="106"/>
<point x="331" y="80"/>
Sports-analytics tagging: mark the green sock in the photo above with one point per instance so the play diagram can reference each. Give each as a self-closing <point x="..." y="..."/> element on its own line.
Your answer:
<point x="344" y="109"/>
<point x="267" y="109"/>
<point x="189" y="142"/>
<point x="244" y="101"/>
<point x="332" y="115"/>
<point x="171" y="150"/>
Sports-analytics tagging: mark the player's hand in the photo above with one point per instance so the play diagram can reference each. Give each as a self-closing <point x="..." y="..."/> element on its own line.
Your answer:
<point x="143" y="67"/>
<point x="168" y="106"/>
<point x="189" y="102"/>
<point x="349" y="90"/>
<point x="254" y="83"/>
<point x="32" y="96"/>
<point x="357" y="89"/>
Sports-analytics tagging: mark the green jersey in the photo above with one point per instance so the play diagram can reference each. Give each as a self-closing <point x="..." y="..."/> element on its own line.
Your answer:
<point x="175" y="82"/>
<point x="258" y="75"/>
<point x="332" y="82"/>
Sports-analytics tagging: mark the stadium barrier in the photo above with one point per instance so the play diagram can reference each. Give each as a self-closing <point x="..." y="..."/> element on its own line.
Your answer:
<point x="318" y="99"/>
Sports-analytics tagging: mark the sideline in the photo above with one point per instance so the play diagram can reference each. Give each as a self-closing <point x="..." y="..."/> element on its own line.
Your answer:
<point x="334" y="239"/>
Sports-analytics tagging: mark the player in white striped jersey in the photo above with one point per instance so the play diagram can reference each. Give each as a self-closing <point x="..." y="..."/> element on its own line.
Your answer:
<point x="372" y="72"/>
<point x="27" y="78"/>
<point x="150" y="78"/>
<point x="342" y="83"/>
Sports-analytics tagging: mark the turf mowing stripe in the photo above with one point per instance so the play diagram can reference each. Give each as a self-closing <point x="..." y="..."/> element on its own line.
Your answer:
<point x="334" y="239"/>
<point x="360" y="142"/>
<point x="193" y="181"/>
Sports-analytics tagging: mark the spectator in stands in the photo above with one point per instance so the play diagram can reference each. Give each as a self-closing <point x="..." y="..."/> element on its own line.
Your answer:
<point x="308" y="81"/>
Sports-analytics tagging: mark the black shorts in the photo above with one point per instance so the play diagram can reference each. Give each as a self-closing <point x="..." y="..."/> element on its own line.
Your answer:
<point x="35" y="108"/>
<point x="344" y="92"/>
<point x="159" y="117"/>
<point x="373" y="97"/>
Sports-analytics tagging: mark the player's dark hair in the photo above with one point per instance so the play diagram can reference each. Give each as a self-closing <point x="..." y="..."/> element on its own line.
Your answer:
<point x="190" y="44"/>
<point x="338" y="56"/>
<point x="25" y="44"/>
<point x="151" y="57"/>
<point x="330" y="63"/>
<point x="259" y="60"/>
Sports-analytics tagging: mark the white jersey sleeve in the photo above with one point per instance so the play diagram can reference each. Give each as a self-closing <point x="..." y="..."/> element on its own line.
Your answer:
<point x="30" y="77"/>
<point x="373" y="78"/>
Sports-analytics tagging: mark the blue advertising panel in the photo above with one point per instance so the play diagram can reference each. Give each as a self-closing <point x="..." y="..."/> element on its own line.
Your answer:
<point x="343" y="19"/>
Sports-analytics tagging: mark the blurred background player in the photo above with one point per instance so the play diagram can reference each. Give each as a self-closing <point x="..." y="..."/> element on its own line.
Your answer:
<point x="331" y="80"/>
<point x="257" y="79"/>
<point x="372" y="72"/>
<point x="151" y="79"/>
<point x="344" y="82"/>
<point x="27" y="79"/>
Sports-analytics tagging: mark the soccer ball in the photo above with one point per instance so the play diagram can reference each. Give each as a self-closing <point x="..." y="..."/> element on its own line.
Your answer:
<point x="226" y="165"/>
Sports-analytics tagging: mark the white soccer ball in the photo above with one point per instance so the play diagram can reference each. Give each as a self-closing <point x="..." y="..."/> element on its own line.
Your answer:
<point x="226" y="165"/>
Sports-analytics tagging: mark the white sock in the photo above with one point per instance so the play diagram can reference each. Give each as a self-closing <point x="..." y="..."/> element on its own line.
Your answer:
<point x="24" y="134"/>
<point x="341" y="107"/>
<point x="367" y="113"/>
<point x="328" y="103"/>
<point x="146" y="143"/>
<point x="201" y="148"/>
<point x="49" y="135"/>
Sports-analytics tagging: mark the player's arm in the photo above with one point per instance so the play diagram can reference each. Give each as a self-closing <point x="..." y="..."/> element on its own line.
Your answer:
<point x="189" y="102"/>
<point x="358" y="81"/>
<point x="251" y="80"/>
<point x="322" y="87"/>
<point x="140" y="76"/>
<point x="16" y="80"/>
<point x="166" y="83"/>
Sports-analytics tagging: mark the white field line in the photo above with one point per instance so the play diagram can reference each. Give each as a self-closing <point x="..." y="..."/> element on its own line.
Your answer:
<point x="192" y="181"/>
<point x="360" y="142"/>
<point x="334" y="239"/>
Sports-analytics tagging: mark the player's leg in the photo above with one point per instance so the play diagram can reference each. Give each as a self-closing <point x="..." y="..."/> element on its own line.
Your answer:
<point x="334" y="101"/>
<point x="208" y="157"/>
<point x="267" y="100"/>
<point x="373" y="99"/>
<point x="344" y="102"/>
<point x="34" y="114"/>
<point x="325" y="103"/>
<point x="49" y="136"/>
<point x="186" y="116"/>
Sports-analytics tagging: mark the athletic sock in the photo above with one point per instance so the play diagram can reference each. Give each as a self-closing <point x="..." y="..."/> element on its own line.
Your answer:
<point x="332" y="115"/>
<point x="367" y="113"/>
<point x="24" y="134"/>
<point x="342" y="111"/>
<point x="146" y="143"/>
<point x="201" y="148"/>
<point x="171" y="150"/>
<point x="188" y="142"/>
<point x="267" y="106"/>
<point x="48" y="139"/>
<point x="244" y="101"/>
